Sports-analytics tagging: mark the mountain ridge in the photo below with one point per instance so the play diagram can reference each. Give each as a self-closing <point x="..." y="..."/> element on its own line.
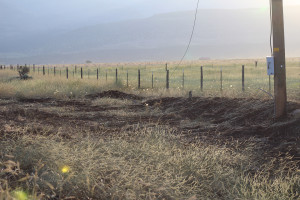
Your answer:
<point x="224" y="31"/>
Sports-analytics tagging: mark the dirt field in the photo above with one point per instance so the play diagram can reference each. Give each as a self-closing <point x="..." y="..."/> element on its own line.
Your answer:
<point x="219" y="121"/>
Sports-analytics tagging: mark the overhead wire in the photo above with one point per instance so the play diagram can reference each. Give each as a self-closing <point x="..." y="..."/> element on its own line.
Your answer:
<point x="190" y="40"/>
<point x="192" y="34"/>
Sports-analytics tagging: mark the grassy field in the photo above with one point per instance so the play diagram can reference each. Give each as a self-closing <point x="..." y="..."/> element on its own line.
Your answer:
<point x="97" y="139"/>
<point x="256" y="78"/>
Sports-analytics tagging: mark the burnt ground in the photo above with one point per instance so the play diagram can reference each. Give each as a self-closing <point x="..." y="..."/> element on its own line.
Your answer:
<point x="219" y="121"/>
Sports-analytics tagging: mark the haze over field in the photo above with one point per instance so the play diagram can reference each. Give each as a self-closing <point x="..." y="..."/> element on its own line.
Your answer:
<point x="112" y="31"/>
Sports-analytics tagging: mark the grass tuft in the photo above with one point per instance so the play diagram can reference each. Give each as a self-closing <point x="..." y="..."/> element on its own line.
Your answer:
<point x="139" y="163"/>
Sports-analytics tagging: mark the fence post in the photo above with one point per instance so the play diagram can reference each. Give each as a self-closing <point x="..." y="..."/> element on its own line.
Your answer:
<point x="221" y="79"/>
<point x="127" y="77"/>
<point x="97" y="74"/>
<point x="256" y="62"/>
<point x="182" y="78"/>
<point x="116" y="75"/>
<point x="54" y="71"/>
<point x="201" y="79"/>
<point x="75" y="69"/>
<point x="166" y="66"/>
<point x="152" y="80"/>
<point x="67" y="72"/>
<point x="43" y="70"/>
<point x="81" y="73"/>
<point x="88" y="73"/>
<point x="139" y="79"/>
<point x="167" y="81"/>
<point x="243" y="78"/>
<point x="33" y="67"/>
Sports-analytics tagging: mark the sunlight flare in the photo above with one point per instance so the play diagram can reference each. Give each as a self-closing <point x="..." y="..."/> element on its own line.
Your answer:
<point x="65" y="169"/>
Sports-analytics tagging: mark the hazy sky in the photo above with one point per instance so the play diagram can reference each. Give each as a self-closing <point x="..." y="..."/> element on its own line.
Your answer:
<point x="94" y="7"/>
<point x="26" y="21"/>
<point x="65" y="14"/>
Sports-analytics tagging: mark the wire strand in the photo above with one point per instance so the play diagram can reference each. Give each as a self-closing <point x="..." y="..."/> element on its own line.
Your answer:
<point x="192" y="34"/>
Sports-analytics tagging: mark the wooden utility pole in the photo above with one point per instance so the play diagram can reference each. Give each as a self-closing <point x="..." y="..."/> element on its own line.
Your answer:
<point x="279" y="59"/>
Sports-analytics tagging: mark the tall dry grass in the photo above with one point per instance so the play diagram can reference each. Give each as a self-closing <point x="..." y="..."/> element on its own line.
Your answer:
<point x="139" y="163"/>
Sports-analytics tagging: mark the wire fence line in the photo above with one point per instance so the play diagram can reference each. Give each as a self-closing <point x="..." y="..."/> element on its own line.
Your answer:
<point x="250" y="78"/>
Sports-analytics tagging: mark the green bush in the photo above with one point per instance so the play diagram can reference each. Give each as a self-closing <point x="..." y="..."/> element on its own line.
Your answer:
<point x="23" y="73"/>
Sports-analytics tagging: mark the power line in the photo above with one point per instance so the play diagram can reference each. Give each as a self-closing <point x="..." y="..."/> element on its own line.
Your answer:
<point x="192" y="34"/>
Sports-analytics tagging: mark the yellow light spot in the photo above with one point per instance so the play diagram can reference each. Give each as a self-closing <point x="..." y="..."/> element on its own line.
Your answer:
<point x="276" y="49"/>
<point x="65" y="169"/>
<point x="20" y="195"/>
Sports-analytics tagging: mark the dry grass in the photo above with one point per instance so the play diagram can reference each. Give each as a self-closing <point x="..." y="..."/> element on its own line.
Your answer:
<point x="110" y="101"/>
<point x="148" y="161"/>
<point x="139" y="163"/>
<point x="59" y="87"/>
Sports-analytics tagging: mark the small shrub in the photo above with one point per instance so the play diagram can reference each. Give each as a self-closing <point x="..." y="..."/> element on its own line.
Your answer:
<point x="23" y="73"/>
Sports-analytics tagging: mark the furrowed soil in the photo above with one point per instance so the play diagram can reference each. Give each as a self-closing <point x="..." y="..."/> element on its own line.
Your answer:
<point x="218" y="121"/>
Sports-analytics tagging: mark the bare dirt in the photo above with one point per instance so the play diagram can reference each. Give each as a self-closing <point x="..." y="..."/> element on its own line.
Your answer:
<point x="219" y="121"/>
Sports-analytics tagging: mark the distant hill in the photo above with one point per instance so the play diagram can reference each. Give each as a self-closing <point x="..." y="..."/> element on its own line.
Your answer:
<point x="218" y="34"/>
